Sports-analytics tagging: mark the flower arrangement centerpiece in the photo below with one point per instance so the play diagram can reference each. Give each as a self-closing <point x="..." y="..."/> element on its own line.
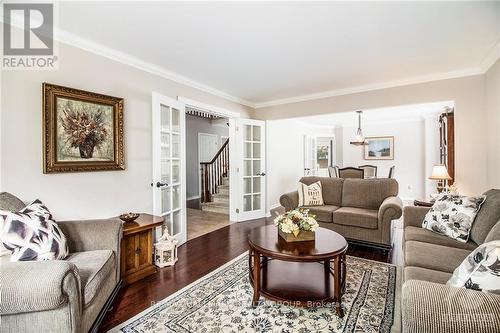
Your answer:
<point x="296" y="225"/>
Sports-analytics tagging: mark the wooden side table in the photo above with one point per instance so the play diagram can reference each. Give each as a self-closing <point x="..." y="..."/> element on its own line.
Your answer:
<point x="422" y="203"/>
<point x="137" y="248"/>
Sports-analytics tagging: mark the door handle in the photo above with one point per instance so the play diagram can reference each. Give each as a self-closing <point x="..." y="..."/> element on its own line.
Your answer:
<point x="261" y="174"/>
<point x="160" y="184"/>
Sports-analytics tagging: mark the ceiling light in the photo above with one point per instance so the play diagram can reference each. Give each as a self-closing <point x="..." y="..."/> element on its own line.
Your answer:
<point x="359" y="140"/>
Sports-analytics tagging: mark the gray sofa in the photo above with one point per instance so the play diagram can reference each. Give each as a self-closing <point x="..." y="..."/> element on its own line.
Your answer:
<point x="62" y="295"/>
<point x="428" y="304"/>
<point x="361" y="210"/>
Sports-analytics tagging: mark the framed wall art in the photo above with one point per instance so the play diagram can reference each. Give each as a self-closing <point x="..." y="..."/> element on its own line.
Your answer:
<point x="379" y="148"/>
<point x="83" y="131"/>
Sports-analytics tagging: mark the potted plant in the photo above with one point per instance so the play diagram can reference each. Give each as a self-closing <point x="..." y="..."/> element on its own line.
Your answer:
<point x="296" y="225"/>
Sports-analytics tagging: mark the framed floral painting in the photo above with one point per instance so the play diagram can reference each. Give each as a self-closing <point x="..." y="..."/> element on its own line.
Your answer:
<point x="83" y="131"/>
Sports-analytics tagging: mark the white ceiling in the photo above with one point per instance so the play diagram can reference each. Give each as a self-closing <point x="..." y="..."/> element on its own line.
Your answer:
<point x="378" y="116"/>
<point x="265" y="51"/>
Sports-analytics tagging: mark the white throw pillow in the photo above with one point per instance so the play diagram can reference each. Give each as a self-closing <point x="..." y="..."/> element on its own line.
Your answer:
<point x="310" y="195"/>
<point x="480" y="270"/>
<point x="32" y="234"/>
<point x="453" y="215"/>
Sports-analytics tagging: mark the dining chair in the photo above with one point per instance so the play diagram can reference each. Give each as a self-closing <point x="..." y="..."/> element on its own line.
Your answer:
<point x="391" y="171"/>
<point x="370" y="170"/>
<point x="351" y="172"/>
<point x="332" y="172"/>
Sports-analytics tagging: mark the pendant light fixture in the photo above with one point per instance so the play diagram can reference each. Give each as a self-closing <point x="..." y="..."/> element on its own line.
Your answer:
<point x="359" y="140"/>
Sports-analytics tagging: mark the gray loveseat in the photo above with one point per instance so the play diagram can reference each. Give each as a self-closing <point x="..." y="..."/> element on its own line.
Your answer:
<point x="361" y="210"/>
<point x="62" y="295"/>
<point x="428" y="304"/>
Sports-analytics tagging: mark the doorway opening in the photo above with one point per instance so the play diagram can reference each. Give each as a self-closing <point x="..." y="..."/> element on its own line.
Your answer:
<point x="207" y="171"/>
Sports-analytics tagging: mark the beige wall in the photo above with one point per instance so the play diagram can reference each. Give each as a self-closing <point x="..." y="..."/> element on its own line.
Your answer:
<point x="85" y="195"/>
<point x="471" y="125"/>
<point x="493" y="107"/>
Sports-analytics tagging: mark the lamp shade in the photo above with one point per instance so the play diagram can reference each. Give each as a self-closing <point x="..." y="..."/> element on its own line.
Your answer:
<point x="439" y="172"/>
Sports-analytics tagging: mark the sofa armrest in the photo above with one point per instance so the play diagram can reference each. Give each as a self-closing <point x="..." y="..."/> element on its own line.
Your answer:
<point x="89" y="235"/>
<point x="433" y="307"/>
<point x="391" y="209"/>
<point x="32" y="286"/>
<point x="290" y="200"/>
<point x="414" y="216"/>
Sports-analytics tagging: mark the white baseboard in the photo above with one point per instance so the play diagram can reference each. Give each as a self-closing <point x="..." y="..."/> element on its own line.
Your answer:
<point x="193" y="197"/>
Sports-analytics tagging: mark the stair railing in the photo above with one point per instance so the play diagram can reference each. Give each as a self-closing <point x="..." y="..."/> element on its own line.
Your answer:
<point x="213" y="172"/>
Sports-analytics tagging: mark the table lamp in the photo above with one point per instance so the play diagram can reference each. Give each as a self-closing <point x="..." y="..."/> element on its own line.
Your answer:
<point x="440" y="173"/>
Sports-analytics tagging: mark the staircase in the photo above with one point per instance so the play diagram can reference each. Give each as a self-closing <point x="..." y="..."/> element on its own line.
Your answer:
<point x="215" y="182"/>
<point x="220" y="200"/>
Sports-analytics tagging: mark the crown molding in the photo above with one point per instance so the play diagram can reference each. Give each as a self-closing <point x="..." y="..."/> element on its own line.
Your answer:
<point x="377" y="86"/>
<point x="113" y="54"/>
<point x="491" y="58"/>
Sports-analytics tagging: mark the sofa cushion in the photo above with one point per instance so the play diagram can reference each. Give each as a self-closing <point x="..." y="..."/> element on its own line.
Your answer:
<point x="367" y="193"/>
<point x="424" y="274"/>
<point x="480" y="270"/>
<point x="10" y="202"/>
<point x="487" y="217"/>
<point x="93" y="267"/>
<point x="322" y="213"/>
<point x="310" y="195"/>
<point x="432" y="256"/>
<point x="423" y="235"/>
<point x="494" y="233"/>
<point x="356" y="217"/>
<point x="452" y="215"/>
<point x="332" y="188"/>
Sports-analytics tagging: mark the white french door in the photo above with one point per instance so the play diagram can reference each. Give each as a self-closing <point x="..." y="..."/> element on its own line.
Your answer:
<point x="169" y="158"/>
<point x="251" y="172"/>
<point x="309" y="155"/>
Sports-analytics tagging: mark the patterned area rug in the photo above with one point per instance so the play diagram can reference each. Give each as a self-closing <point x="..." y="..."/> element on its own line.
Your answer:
<point x="221" y="302"/>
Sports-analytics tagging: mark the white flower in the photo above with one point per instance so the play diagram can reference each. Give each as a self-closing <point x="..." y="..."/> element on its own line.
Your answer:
<point x="298" y="215"/>
<point x="286" y="228"/>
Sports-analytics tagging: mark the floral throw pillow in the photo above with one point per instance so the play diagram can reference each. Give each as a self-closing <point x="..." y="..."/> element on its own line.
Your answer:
<point x="32" y="234"/>
<point x="480" y="270"/>
<point x="453" y="215"/>
<point x="310" y="195"/>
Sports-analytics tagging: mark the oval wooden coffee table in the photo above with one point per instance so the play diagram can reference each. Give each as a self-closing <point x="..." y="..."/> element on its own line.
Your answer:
<point x="297" y="273"/>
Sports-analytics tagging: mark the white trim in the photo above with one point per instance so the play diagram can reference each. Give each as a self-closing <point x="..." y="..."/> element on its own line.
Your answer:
<point x="376" y="86"/>
<point x="491" y="58"/>
<point x="209" y="108"/>
<point x="193" y="197"/>
<point x="113" y="54"/>
<point x="117" y="328"/>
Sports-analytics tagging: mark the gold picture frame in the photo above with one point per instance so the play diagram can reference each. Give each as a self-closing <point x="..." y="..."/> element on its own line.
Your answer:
<point x="83" y="131"/>
<point x="379" y="148"/>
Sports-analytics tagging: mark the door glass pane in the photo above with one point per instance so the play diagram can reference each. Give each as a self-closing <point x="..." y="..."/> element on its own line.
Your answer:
<point x="176" y="197"/>
<point x="256" y="150"/>
<point x="256" y="133"/>
<point x="176" y="146"/>
<point x="176" y="171"/>
<point x="256" y="202"/>
<point x="247" y="150"/>
<point x="176" y="222"/>
<point x="165" y="117"/>
<point x="256" y="185"/>
<point x="167" y="224"/>
<point x="247" y="135"/>
<point x="165" y="171"/>
<point x="247" y="166"/>
<point x="247" y="203"/>
<point x="176" y="124"/>
<point x="247" y="185"/>
<point x="165" y="200"/>
<point x="256" y="167"/>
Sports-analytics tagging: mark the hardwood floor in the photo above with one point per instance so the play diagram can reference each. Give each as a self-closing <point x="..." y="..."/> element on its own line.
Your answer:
<point x="198" y="257"/>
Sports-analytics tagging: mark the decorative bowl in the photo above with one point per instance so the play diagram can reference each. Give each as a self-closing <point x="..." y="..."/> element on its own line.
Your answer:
<point x="129" y="217"/>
